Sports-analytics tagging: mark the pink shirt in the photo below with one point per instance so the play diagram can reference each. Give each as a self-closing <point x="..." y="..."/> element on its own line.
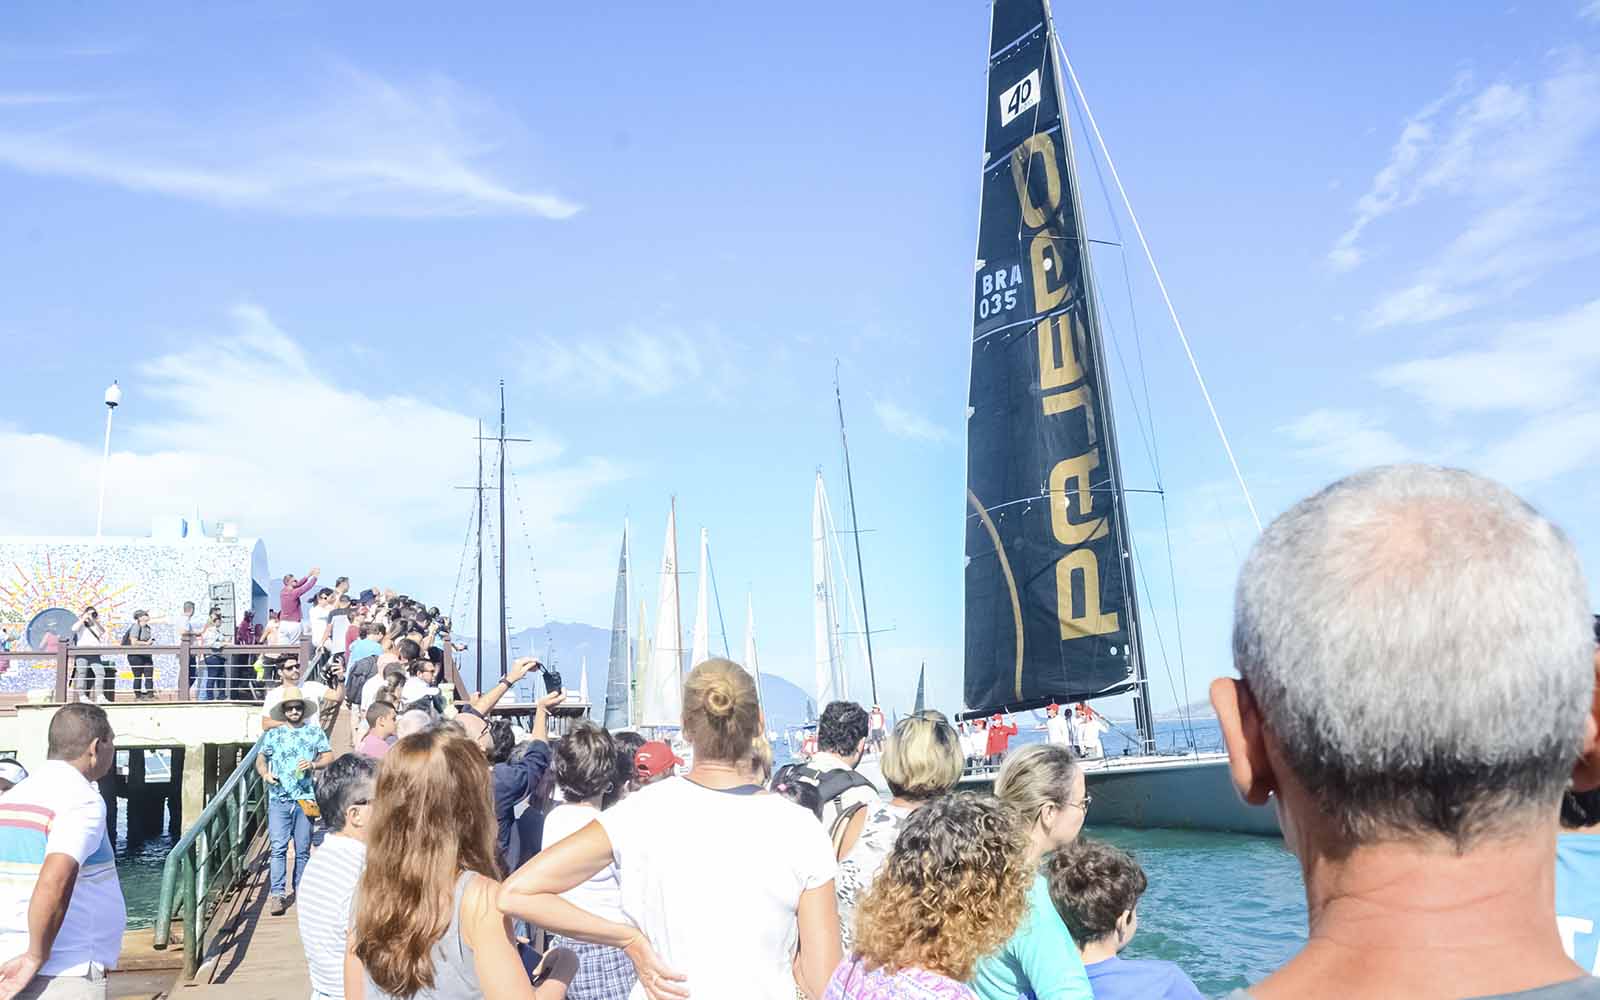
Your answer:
<point x="374" y="746"/>
<point x="852" y="981"/>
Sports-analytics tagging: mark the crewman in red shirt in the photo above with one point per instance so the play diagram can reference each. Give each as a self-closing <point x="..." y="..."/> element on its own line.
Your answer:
<point x="1000" y="733"/>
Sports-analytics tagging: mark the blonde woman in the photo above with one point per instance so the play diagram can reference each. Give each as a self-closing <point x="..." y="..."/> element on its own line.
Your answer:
<point x="727" y="890"/>
<point x="921" y="761"/>
<point x="953" y="889"/>
<point x="1044" y="784"/>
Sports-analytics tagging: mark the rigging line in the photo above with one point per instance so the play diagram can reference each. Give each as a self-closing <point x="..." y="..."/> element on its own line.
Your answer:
<point x="1145" y="435"/>
<point x="533" y="568"/>
<point x="721" y="621"/>
<point x="1162" y="285"/>
<point x="1153" y="444"/>
<point x="1183" y="661"/>
<point x="1155" y="623"/>
<point x="466" y="546"/>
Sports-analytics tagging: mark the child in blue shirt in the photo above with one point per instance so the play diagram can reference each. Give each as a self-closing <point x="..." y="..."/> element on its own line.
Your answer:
<point x="1096" y="889"/>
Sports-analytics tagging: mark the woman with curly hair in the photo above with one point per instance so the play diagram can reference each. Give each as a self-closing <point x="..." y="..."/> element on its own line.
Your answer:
<point x="426" y="924"/>
<point x="1044" y="784"/>
<point x="921" y="761"/>
<point x="953" y="889"/>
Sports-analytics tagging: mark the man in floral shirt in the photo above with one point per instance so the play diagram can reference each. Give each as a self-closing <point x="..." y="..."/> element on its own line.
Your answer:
<point x="289" y="753"/>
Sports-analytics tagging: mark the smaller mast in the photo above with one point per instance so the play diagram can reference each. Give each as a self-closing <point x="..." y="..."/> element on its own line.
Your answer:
<point x="855" y="531"/>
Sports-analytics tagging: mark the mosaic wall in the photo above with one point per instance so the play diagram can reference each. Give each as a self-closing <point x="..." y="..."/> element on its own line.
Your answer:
<point x="119" y="577"/>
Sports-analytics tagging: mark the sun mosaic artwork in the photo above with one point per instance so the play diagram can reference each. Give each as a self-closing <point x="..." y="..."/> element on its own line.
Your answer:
<point x="117" y="578"/>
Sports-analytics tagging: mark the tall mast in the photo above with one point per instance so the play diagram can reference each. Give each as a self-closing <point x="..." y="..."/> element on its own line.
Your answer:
<point x="855" y="531"/>
<point x="478" y="657"/>
<point x="1143" y="716"/>
<point x="505" y="638"/>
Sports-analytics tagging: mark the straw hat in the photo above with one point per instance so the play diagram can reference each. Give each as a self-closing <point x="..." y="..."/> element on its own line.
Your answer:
<point x="290" y="696"/>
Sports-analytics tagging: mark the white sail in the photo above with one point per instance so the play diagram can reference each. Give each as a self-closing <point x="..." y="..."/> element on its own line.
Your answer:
<point x="825" y="616"/>
<point x="641" y="663"/>
<point x="583" y="682"/>
<point x="661" y="689"/>
<point x="700" y="648"/>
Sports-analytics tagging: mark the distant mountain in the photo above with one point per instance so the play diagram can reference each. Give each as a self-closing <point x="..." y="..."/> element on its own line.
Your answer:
<point x="567" y="646"/>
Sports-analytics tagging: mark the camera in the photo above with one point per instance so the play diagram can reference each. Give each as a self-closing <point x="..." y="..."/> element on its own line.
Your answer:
<point x="552" y="679"/>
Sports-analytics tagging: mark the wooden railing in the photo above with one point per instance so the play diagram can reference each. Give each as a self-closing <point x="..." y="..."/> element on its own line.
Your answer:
<point x="66" y="656"/>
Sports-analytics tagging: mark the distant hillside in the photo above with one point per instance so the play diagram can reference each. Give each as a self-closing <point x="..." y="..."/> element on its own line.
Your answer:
<point x="568" y="645"/>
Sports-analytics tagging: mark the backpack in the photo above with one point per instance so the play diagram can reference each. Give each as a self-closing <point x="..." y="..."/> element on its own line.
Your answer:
<point x="830" y="786"/>
<point x="360" y="672"/>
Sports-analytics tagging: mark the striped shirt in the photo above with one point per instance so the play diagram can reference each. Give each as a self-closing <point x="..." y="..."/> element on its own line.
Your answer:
<point x="59" y="811"/>
<point x="323" y="909"/>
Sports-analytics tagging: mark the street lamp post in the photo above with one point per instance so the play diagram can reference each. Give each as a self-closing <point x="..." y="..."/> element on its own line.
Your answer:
<point x="113" y="397"/>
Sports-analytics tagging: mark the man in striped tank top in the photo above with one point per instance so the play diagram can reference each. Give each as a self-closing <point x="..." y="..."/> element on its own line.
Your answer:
<point x="61" y="909"/>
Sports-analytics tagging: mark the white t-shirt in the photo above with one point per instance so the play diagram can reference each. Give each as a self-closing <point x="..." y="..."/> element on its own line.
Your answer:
<point x="324" y="910"/>
<point x="713" y="880"/>
<point x="416" y="689"/>
<point x="58" y="811"/>
<point x="314" y="690"/>
<point x="1089" y="736"/>
<point x="1057" y="730"/>
<point x="317" y="618"/>
<point x="370" y="691"/>
<point x="601" y="895"/>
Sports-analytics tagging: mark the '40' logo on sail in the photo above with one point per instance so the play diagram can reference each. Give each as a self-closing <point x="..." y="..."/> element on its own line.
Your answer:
<point x="1019" y="98"/>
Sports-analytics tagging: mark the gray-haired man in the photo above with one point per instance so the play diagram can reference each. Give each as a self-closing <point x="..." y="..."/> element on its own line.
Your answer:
<point x="1417" y="681"/>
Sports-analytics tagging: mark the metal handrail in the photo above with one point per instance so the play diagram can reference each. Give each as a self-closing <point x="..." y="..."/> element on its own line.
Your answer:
<point x="208" y="860"/>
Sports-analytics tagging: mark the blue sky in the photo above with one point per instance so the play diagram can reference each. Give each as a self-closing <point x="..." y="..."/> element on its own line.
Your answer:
<point x="309" y="238"/>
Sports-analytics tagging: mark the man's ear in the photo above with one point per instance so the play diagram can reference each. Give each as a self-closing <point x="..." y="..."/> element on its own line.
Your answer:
<point x="1586" y="773"/>
<point x="1245" y="738"/>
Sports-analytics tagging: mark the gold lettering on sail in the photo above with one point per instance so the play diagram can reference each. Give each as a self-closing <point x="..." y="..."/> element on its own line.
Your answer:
<point x="1072" y="517"/>
<point x="1023" y="164"/>
<point x="1059" y="335"/>
<point x="1049" y="280"/>
<point x="1077" y="565"/>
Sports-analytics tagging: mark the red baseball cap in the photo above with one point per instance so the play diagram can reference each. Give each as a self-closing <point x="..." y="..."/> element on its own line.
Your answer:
<point x="654" y="759"/>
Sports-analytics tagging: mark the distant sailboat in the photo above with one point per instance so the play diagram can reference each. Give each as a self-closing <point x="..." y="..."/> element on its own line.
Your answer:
<point x="700" y="647"/>
<point x="619" y="677"/>
<point x="830" y="677"/>
<point x="922" y="678"/>
<point x="583" y="682"/>
<point x="641" y="659"/>
<point x="750" y="662"/>
<point x="662" y="684"/>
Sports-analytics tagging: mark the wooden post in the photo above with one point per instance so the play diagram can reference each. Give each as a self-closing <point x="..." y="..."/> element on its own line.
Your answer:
<point x="185" y="656"/>
<point x="63" y="669"/>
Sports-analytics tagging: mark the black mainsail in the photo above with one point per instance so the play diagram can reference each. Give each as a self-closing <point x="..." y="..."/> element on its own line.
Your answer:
<point x="1050" y="613"/>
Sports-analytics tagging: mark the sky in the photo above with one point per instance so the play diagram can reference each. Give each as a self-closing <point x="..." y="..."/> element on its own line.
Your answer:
<point x="310" y="239"/>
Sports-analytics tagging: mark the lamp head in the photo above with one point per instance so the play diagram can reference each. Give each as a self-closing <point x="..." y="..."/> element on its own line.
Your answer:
<point x="113" y="396"/>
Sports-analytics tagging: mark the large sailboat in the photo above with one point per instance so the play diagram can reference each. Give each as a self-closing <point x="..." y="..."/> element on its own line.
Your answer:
<point x="1051" y="609"/>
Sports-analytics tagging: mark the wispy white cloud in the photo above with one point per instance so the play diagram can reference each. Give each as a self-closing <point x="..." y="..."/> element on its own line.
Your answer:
<point x="33" y="98"/>
<point x="1513" y="159"/>
<point x="1534" y="366"/>
<point x="1590" y="11"/>
<point x="901" y="422"/>
<point x="364" y="147"/>
<point x="1346" y="439"/>
<point x="243" y="423"/>
<point x="646" y="362"/>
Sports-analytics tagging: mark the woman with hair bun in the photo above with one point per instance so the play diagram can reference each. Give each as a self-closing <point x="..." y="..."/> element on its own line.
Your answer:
<point x="727" y="890"/>
<point x="953" y="889"/>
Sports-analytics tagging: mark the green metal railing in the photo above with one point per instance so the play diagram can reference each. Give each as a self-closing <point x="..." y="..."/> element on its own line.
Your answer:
<point x="209" y="859"/>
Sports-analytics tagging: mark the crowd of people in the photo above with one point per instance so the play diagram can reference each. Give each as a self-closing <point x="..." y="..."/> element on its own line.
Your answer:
<point x="1416" y="693"/>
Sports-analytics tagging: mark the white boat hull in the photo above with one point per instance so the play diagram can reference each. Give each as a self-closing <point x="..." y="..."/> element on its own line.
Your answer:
<point x="1188" y="793"/>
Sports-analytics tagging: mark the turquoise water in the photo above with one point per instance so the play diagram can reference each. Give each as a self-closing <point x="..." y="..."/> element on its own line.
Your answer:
<point x="1227" y="908"/>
